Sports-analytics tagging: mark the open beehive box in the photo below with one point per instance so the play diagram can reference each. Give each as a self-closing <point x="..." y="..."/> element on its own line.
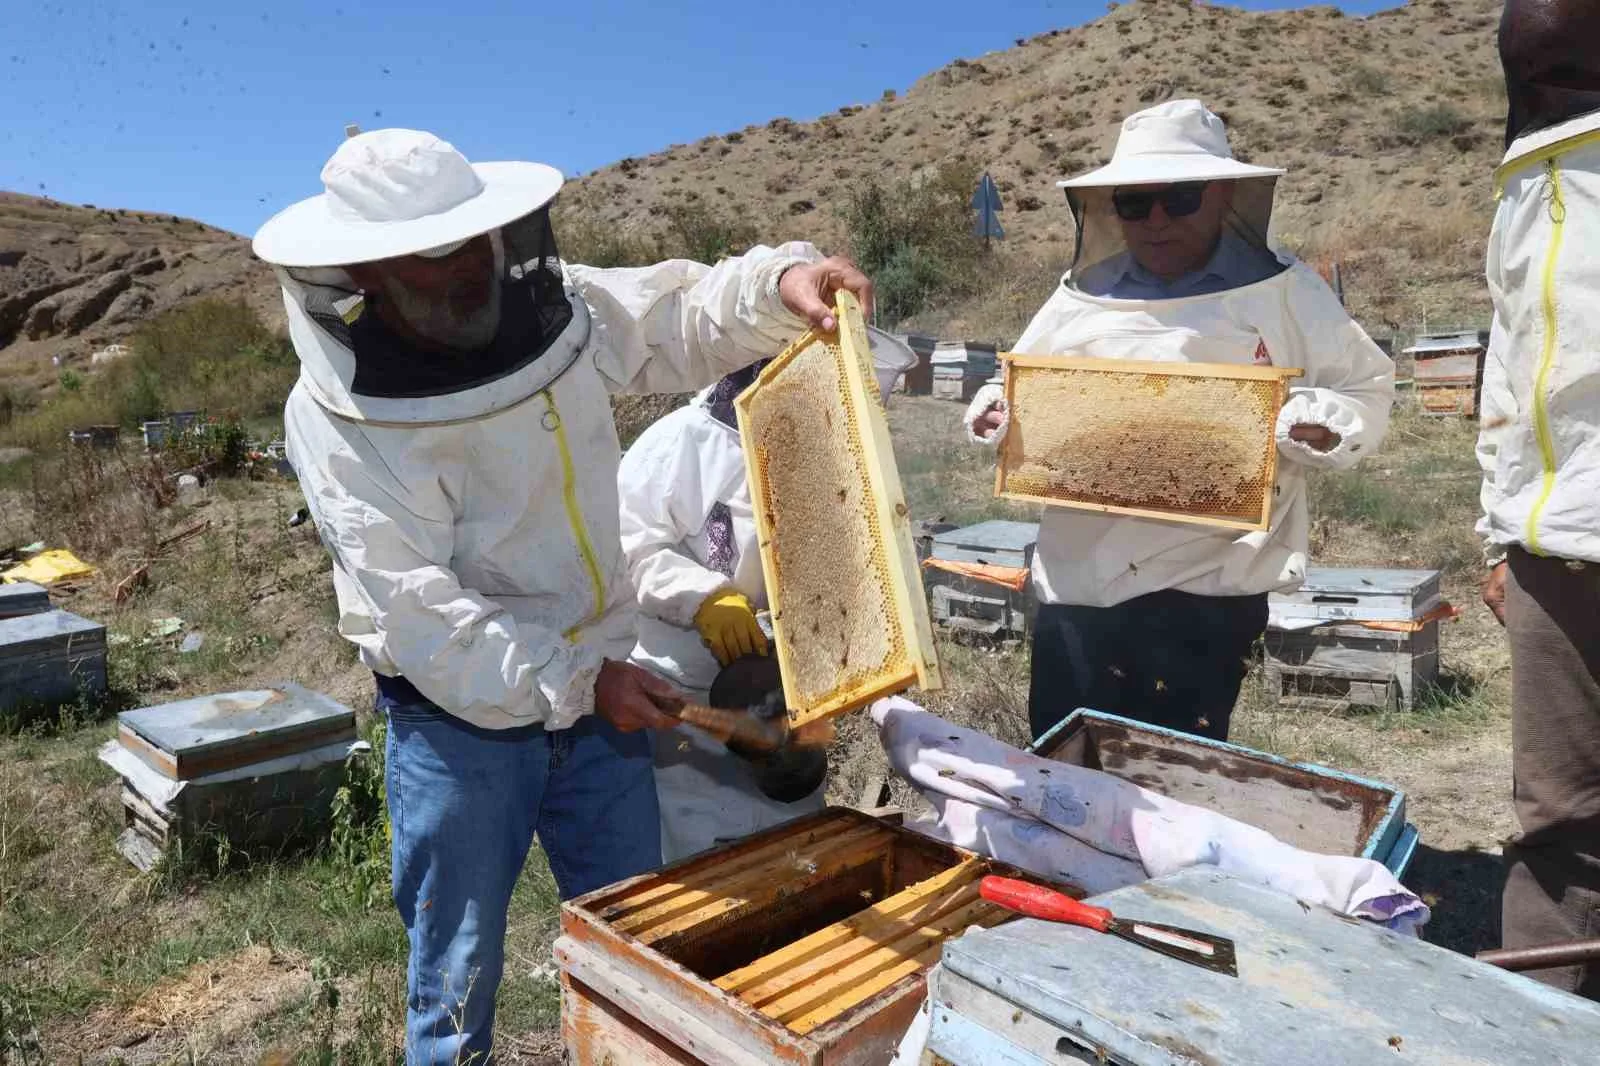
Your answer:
<point x="849" y="616"/>
<point x="809" y="943"/>
<point x="1186" y="442"/>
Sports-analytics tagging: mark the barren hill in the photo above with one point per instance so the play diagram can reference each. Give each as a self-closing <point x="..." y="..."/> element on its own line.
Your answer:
<point x="76" y="278"/>
<point x="1390" y="126"/>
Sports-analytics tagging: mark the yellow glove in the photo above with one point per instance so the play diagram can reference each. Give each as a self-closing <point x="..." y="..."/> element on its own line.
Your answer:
<point x="727" y="623"/>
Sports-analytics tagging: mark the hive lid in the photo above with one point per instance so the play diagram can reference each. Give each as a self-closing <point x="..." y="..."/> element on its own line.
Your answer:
<point x="1313" y="987"/>
<point x="27" y="634"/>
<point x="996" y="533"/>
<point x="208" y="734"/>
<point x="849" y="614"/>
<point x="1181" y="442"/>
<point x="23" y="597"/>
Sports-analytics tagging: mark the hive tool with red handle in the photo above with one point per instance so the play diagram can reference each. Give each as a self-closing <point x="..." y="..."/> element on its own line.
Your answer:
<point x="1201" y="949"/>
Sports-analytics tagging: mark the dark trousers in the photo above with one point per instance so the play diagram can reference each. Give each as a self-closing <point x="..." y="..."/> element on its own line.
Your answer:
<point x="1169" y="658"/>
<point x="1552" y="889"/>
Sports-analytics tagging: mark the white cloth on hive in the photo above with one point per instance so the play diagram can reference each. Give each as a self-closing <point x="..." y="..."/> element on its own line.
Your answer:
<point x="1067" y="822"/>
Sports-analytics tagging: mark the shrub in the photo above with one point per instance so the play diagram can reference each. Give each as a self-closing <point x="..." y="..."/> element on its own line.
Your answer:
<point x="695" y="231"/>
<point x="1415" y="124"/>
<point x="70" y="381"/>
<point x="216" y="447"/>
<point x="1369" y="81"/>
<point x="213" y="355"/>
<point x="914" y="238"/>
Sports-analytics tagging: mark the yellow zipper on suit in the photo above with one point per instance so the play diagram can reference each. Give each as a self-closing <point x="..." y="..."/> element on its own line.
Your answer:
<point x="569" y="492"/>
<point x="1547" y="360"/>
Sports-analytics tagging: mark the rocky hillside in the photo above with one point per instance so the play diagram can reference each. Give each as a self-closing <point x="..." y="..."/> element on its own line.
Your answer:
<point x="75" y="279"/>
<point x="1390" y="126"/>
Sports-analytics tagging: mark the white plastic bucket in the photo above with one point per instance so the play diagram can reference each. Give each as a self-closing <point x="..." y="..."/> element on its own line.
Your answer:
<point x="891" y="357"/>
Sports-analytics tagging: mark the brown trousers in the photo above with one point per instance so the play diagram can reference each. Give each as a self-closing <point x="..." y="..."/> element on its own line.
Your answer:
<point x="1552" y="891"/>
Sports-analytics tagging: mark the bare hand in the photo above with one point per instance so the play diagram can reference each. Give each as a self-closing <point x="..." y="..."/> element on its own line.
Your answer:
<point x="623" y="696"/>
<point x="808" y="289"/>
<point x="1318" y="438"/>
<point x="1494" y="593"/>
<point x="989" y="421"/>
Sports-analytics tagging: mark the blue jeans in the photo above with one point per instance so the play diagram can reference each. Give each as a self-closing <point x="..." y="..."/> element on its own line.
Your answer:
<point x="464" y="806"/>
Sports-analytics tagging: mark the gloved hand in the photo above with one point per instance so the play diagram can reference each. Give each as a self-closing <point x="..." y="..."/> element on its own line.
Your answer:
<point x="727" y="623"/>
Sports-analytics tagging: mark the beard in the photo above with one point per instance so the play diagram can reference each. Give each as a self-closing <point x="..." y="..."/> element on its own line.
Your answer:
<point x="465" y="318"/>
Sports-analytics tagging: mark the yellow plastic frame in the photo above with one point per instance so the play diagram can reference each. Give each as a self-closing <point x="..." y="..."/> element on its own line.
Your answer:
<point x="1281" y="375"/>
<point x="860" y="391"/>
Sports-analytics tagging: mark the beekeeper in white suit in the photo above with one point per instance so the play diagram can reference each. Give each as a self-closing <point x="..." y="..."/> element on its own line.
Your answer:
<point x="689" y="537"/>
<point x="452" y="433"/>
<point x="1150" y="619"/>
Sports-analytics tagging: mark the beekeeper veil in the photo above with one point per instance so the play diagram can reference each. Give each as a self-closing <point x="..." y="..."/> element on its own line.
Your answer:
<point x="1168" y="155"/>
<point x="392" y="194"/>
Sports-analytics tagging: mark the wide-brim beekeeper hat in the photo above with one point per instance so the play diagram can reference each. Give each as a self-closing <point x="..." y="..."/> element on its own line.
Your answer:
<point x="1174" y="142"/>
<point x="395" y="192"/>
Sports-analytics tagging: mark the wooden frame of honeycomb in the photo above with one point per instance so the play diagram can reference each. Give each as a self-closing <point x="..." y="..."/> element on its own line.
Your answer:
<point x="849" y="615"/>
<point x="1182" y="442"/>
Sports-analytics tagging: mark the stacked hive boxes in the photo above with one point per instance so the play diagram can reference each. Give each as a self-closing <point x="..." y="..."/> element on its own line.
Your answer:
<point x="256" y="769"/>
<point x="47" y="657"/>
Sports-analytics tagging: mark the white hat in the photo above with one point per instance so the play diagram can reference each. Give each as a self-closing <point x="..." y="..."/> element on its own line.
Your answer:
<point x="1176" y="141"/>
<point x="401" y="192"/>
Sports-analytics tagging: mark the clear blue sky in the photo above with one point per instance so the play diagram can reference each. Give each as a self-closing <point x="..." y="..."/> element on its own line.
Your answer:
<point x="225" y="111"/>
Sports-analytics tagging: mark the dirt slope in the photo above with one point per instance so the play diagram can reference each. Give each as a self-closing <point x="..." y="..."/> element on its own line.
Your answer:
<point x="74" y="279"/>
<point x="1389" y="125"/>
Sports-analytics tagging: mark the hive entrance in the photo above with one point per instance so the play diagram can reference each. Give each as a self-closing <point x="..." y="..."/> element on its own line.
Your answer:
<point x="1189" y="442"/>
<point x="849" y="616"/>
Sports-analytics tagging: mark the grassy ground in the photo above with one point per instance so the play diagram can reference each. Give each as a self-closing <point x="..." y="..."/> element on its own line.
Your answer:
<point x="300" y="958"/>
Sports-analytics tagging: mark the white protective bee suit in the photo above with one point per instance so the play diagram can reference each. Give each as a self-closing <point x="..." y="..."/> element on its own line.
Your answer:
<point x="688" y="532"/>
<point x="1154" y="619"/>
<point x="1289" y="319"/>
<point x="474" y="528"/>
<point x="1539" y="447"/>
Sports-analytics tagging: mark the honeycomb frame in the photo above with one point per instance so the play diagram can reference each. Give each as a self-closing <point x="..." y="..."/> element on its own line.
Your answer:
<point x="1014" y="481"/>
<point x="881" y="519"/>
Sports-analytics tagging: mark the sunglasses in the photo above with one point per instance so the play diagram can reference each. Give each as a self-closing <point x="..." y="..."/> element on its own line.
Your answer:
<point x="1135" y="204"/>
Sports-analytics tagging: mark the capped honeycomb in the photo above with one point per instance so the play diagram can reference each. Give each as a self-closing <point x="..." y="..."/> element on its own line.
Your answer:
<point x="1189" y="442"/>
<point x="849" y="616"/>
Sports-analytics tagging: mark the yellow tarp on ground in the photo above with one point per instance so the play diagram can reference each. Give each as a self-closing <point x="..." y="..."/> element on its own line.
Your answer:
<point x="46" y="568"/>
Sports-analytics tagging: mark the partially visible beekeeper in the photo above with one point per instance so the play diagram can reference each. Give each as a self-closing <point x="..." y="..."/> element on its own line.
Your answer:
<point x="689" y="537"/>
<point x="452" y="432"/>
<point x="1156" y="620"/>
<point x="1539" y="446"/>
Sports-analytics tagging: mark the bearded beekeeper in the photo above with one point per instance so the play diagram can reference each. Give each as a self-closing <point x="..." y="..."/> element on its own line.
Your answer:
<point x="1539" y="447"/>
<point x="689" y="538"/>
<point x="1149" y="619"/>
<point x="452" y="432"/>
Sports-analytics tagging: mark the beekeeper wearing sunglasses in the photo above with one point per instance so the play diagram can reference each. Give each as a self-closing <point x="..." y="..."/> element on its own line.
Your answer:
<point x="1150" y="619"/>
<point x="689" y="539"/>
<point x="452" y="432"/>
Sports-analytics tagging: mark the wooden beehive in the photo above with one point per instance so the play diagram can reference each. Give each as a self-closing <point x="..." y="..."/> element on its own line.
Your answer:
<point x="1375" y="641"/>
<point x="809" y="943"/>
<point x="1185" y="442"/>
<point x="848" y="611"/>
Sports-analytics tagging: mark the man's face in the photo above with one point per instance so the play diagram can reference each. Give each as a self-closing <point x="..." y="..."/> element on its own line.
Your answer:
<point x="1172" y="245"/>
<point x="453" y="300"/>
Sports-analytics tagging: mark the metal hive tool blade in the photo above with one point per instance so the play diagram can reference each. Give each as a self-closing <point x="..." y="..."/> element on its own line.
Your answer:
<point x="1200" y="949"/>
